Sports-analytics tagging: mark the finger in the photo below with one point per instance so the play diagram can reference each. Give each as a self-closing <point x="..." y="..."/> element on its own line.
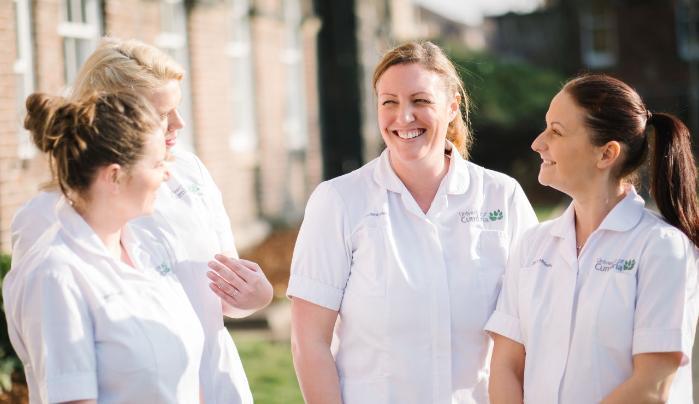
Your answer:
<point x="222" y="295"/>
<point x="235" y="265"/>
<point x="227" y="273"/>
<point x="253" y="266"/>
<point x="225" y="287"/>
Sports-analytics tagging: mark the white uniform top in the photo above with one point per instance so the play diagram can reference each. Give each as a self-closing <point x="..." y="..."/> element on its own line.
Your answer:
<point x="87" y="326"/>
<point x="632" y="290"/>
<point x="189" y="209"/>
<point x="413" y="290"/>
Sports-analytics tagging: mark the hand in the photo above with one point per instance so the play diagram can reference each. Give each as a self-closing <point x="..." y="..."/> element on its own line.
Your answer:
<point x="241" y="285"/>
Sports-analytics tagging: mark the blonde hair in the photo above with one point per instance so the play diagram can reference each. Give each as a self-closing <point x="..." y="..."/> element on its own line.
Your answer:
<point x="118" y="65"/>
<point x="80" y="137"/>
<point x="432" y="58"/>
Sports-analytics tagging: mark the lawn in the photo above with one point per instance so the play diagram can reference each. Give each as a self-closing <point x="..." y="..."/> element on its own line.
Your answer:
<point x="269" y="369"/>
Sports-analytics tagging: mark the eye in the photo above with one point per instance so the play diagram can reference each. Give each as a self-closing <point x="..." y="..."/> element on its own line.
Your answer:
<point x="386" y="102"/>
<point x="423" y="101"/>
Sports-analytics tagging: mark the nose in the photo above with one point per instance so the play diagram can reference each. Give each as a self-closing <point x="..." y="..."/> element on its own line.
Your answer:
<point x="405" y="114"/>
<point x="538" y="144"/>
<point x="174" y="121"/>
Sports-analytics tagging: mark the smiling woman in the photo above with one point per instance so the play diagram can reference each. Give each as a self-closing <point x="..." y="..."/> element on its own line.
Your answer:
<point x="405" y="253"/>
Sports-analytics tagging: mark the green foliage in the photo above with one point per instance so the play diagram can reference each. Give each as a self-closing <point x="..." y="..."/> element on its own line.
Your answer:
<point x="9" y="363"/>
<point x="269" y="369"/>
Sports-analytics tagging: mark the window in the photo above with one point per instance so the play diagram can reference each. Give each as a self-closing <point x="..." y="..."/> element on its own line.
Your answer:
<point x="688" y="29"/>
<point x="244" y="137"/>
<point x="23" y="69"/>
<point x="81" y="29"/>
<point x="598" y="36"/>
<point x="173" y="40"/>
<point x="292" y="57"/>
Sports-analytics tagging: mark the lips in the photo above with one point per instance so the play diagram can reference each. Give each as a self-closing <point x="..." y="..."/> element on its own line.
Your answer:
<point x="170" y="140"/>
<point x="409" y="134"/>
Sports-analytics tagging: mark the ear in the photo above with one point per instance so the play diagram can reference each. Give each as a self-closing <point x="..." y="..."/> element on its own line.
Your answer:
<point x="609" y="154"/>
<point x="110" y="177"/>
<point x="454" y="106"/>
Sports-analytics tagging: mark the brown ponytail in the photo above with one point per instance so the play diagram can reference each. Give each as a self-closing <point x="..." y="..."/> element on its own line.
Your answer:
<point x="81" y="137"/>
<point x="674" y="174"/>
<point x="615" y="112"/>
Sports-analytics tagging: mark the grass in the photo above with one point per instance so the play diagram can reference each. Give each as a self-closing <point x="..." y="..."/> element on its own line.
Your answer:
<point x="269" y="369"/>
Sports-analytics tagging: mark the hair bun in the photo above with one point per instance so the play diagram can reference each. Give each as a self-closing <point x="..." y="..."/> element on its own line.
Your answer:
<point x="41" y="109"/>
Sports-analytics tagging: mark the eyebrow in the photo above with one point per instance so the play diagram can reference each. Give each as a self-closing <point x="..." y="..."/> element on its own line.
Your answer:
<point x="559" y="124"/>
<point x="412" y="95"/>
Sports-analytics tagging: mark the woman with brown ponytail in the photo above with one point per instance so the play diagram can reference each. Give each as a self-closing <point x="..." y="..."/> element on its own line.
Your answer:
<point x="601" y="304"/>
<point x="94" y="309"/>
<point x="398" y="264"/>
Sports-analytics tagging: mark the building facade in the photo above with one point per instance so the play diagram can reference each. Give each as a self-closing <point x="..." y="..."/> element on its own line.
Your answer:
<point x="249" y="96"/>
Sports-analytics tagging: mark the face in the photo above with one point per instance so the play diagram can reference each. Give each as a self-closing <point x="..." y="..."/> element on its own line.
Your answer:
<point x="569" y="160"/>
<point x="165" y="100"/>
<point x="414" y="111"/>
<point x="145" y="177"/>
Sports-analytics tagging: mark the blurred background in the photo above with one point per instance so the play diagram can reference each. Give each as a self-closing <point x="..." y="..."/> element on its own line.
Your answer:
<point x="278" y="97"/>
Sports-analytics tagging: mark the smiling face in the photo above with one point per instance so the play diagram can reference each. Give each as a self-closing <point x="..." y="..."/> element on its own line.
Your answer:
<point x="570" y="160"/>
<point x="414" y="111"/>
<point x="145" y="177"/>
<point x="165" y="100"/>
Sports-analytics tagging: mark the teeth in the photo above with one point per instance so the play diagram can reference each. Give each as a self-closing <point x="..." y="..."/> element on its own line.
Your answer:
<point x="549" y="163"/>
<point x="411" y="134"/>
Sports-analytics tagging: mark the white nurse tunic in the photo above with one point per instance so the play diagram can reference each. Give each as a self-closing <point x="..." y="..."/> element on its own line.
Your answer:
<point x="87" y="326"/>
<point x="632" y="290"/>
<point x="413" y="290"/>
<point x="189" y="209"/>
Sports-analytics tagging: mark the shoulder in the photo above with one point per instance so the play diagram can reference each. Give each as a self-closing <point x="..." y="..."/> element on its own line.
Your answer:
<point x="489" y="180"/>
<point x="40" y="207"/>
<point x="661" y="239"/>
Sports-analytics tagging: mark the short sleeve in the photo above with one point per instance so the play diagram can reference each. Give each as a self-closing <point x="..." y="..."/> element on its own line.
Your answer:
<point x="522" y="216"/>
<point x="58" y="335"/>
<point x="30" y="222"/>
<point x="321" y="262"/>
<point x="220" y="219"/>
<point x="667" y="297"/>
<point x="505" y="319"/>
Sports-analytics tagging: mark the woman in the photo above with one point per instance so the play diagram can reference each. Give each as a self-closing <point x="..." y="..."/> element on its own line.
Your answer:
<point x="603" y="300"/>
<point x="189" y="208"/>
<point x="92" y="309"/>
<point x="405" y="253"/>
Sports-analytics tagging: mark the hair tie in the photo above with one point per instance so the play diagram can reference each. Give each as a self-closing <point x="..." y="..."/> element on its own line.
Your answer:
<point x="648" y="115"/>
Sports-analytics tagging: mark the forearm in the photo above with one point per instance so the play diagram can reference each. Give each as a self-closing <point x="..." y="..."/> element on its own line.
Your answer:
<point x="317" y="374"/>
<point x="505" y="386"/>
<point x="637" y="390"/>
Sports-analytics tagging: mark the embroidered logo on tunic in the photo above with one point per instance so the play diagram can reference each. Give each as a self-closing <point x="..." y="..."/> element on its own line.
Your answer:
<point x="474" y="216"/>
<point x="181" y="190"/>
<point x="195" y="189"/>
<point x="163" y="269"/>
<point x="618" y="265"/>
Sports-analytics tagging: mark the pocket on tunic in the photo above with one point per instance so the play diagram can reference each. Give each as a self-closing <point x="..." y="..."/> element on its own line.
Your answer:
<point x="615" y="316"/>
<point x="369" y="259"/>
<point x="365" y="391"/>
<point x="120" y="342"/>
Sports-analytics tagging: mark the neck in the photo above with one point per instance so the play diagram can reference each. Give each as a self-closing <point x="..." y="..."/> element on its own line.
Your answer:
<point x="592" y="207"/>
<point x="103" y="222"/>
<point x="422" y="178"/>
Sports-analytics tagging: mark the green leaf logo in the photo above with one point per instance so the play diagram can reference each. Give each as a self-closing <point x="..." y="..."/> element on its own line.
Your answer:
<point x="629" y="264"/>
<point x="495" y="215"/>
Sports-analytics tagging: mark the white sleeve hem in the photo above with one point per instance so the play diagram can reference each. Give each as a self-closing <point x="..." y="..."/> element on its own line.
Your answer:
<point x="649" y="340"/>
<point x="71" y="387"/>
<point x="314" y="291"/>
<point x="505" y="325"/>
